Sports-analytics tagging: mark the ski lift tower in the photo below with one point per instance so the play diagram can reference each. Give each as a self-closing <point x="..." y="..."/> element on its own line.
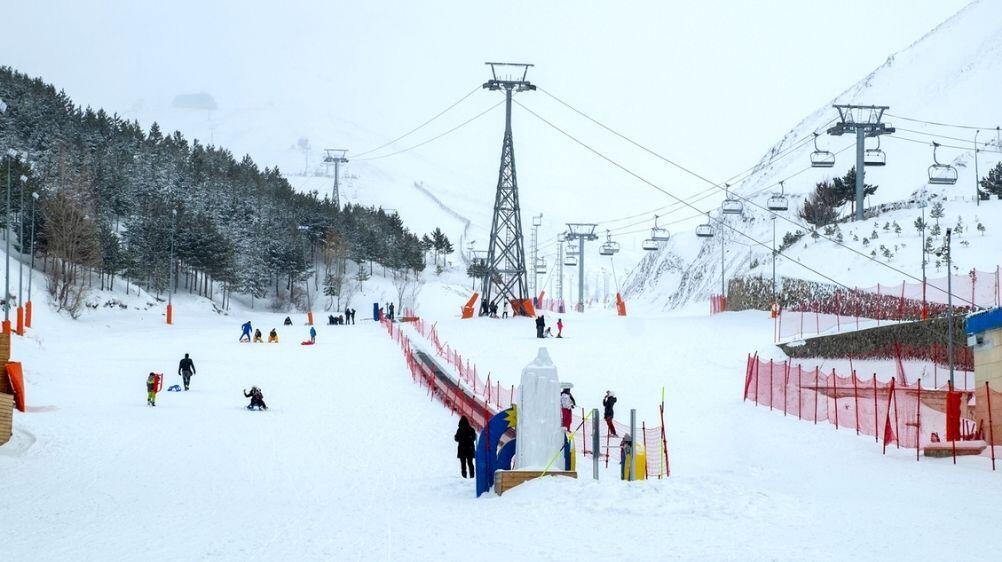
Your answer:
<point x="865" y="121"/>
<point x="336" y="157"/>
<point x="581" y="232"/>
<point x="505" y="278"/>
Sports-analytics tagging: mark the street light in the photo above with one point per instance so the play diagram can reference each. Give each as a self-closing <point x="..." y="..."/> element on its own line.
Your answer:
<point x="31" y="269"/>
<point x="170" y="286"/>
<point x="11" y="154"/>
<point x="20" y="261"/>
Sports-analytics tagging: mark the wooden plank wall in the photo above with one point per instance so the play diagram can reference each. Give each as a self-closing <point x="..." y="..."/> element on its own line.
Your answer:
<point x="6" y="417"/>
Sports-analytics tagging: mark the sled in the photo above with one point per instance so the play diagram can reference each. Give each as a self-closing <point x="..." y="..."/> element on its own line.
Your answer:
<point x="307" y="342"/>
<point x="174" y="388"/>
<point x="16" y="378"/>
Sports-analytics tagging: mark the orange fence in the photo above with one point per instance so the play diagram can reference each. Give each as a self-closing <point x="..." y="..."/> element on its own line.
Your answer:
<point x="478" y="398"/>
<point x="892" y="411"/>
<point x="718" y="304"/>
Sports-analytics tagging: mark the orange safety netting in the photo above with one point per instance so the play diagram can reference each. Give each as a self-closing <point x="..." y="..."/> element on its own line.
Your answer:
<point x="475" y="397"/>
<point x="890" y="409"/>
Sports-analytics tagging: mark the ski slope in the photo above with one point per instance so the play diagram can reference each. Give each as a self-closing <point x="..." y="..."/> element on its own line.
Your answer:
<point x="352" y="460"/>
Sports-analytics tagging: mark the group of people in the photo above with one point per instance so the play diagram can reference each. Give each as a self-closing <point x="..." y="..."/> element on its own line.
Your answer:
<point x="544" y="331"/>
<point x="257" y="337"/>
<point x="491" y="309"/>
<point x="340" y="320"/>
<point x="466" y="436"/>
<point x="186" y="369"/>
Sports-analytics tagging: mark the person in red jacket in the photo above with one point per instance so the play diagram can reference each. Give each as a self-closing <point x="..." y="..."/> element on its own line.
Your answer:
<point x="152" y="387"/>
<point x="560" y="327"/>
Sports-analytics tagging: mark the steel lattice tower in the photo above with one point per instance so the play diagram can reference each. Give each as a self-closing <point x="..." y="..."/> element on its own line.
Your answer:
<point x="505" y="278"/>
<point x="336" y="157"/>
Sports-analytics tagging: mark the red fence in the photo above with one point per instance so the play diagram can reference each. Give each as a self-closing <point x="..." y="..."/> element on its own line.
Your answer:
<point x="494" y="395"/>
<point x="892" y="411"/>
<point x="718" y="304"/>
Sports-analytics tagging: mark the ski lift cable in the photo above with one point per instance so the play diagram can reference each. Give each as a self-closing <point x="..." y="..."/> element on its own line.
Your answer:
<point x="927" y="143"/>
<point x="436" y="137"/>
<point x="938" y="124"/>
<point x="933" y="135"/>
<point x="422" y="125"/>
<point x="724" y="223"/>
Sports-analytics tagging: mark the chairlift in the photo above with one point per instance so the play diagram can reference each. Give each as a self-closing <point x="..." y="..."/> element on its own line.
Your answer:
<point x="570" y="261"/>
<point x="608" y="247"/>
<point x="731" y="206"/>
<point x="604" y="251"/>
<point x="941" y="174"/>
<point x="541" y="266"/>
<point x="659" y="233"/>
<point x="875" y="156"/>
<point x="705" y="230"/>
<point x="778" y="201"/>
<point x="821" y="158"/>
<point x="651" y="245"/>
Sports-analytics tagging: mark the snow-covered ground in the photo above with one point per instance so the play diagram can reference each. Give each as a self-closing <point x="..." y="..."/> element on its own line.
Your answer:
<point x="352" y="461"/>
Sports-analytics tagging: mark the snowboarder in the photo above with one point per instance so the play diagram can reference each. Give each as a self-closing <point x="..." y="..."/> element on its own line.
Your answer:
<point x="313" y="334"/>
<point x="246" y="331"/>
<point x="607" y="404"/>
<point x="466" y="437"/>
<point x="257" y="336"/>
<point x="540" y="326"/>
<point x="391" y="309"/>
<point x="273" y="336"/>
<point x="152" y="387"/>
<point x="257" y="399"/>
<point x="288" y="321"/>
<point x="186" y="368"/>
<point x="560" y="327"/>
<point x="567" y="404"/>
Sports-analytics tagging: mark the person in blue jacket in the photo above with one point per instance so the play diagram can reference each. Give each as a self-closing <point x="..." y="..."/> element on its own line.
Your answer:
<point x="246" y="331"/>
<point x="313" y="334"/>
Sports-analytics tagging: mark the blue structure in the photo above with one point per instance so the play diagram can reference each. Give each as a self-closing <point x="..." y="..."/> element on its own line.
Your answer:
<point x="983" y="321"/>
<point x="489" y="459"/>
<point x="375" y="311"/>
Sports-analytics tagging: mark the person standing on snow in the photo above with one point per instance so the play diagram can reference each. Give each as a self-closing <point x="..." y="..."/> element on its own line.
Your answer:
<point x="246" y="331"/>
<point x="560" y="327"/>
<point x="540" y="326"/>
<point x="504" y="309"/>
<point x="186" y="368"/>
<point x="466" y="436"/>
<point x="313" y="334"/>
<point x="607" y="404"/>
<point x="257" y="399"/>
<point x="567" y="404"/>
<point x="152" y="387"/>
<point x="391" y="309"/>
<point x="625" y="455"/>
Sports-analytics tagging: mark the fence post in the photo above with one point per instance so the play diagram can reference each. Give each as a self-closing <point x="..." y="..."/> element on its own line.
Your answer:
<point x="855" y="398"/>
<point x="584" y="433"/>
<point x="770" y="385"/>
<point x="876" y="424"/>
<point x="647" y="465"/>
<point x="595" y="444"/>
<point x="835" y="396"/>
<point x="800" y="394"/>
<point x="918" y="421"/>
<point x="786" y="384"/>
<point x="817" y="372"/>
<point x="633" y="447"/>
<point x="756" y="375"/>
<point x="991" y="430"/>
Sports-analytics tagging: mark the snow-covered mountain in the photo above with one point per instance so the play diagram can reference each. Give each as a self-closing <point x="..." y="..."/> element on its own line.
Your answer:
<point x="949" y="76"/>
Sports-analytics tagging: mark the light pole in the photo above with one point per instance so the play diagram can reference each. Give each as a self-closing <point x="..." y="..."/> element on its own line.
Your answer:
<point x="20" y="261"/>
<point x="774" y="258"/>
<point x="949" y="305"/>
<point x="31" y="269"/>
<point x="922" y="205"/>
<point x="11" y="153"/>
<point x="977" y="191"/>
<point x="170" y="282"/>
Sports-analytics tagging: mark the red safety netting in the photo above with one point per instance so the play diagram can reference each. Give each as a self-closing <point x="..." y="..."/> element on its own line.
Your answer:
<point x="718" y="304"/>
<point x="478" y="398"/>
<point x="887" y="407"/>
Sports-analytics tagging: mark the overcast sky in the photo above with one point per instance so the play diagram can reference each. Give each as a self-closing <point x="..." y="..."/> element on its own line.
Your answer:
<point x="711" y="83"/>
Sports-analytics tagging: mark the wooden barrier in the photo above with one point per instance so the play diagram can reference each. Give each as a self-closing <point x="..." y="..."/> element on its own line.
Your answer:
<point x="4" y="348"/>
<point x="6" y="417"/>
<point x="505" y="480"/>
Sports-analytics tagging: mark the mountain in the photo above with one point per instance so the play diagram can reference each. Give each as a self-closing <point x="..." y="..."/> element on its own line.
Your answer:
<point x="941" y="88"/>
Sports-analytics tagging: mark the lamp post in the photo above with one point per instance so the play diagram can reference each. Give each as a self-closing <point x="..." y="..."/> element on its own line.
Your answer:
<point x="170" y="282"/>
<point x="922" y="205"/>
<point x="11" y="153"/>
<point x="949" y="300"/>
<point x="20" y="261"/>
<point x="977" y="191"/>
<point x="31" y="268"/>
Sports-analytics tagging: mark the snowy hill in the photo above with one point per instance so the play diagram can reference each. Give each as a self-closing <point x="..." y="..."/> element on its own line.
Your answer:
<point x="938" y="89"/>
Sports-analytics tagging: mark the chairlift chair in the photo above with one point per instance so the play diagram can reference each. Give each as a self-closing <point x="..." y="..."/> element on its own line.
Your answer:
<point x="609" y="247"/>
<point x="650" y="245"/>
<point x="875" y="156"/>
<point x="659" y="233"/>
<point x="570" y="261"/>
<point x="604" y="251"/>
<point x="941" y="174"/>
<point x="731" y="206"/>
<point x="778" y="201"/>
<point x="705" y="230"/>
<point x="821" y="158"/>
<point x="541" y="266"/>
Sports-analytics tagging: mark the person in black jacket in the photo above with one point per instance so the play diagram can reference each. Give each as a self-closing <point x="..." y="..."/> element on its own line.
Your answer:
<point x="466" y="436"/>
<point x="257" y="399"/>
<point x="608" y="403"/>
<point x="186" y="368"/>
<point x="540" y="326"/>
<point x="288" y="321"/>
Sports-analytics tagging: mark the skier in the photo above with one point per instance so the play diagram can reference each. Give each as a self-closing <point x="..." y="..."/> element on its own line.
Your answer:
<point x="288" y="321"/>
<point x="466" y="437"/>
<point x="257" y="336"/>
<point x="540" y="326"/>
<point x="273" y="336"/>
<point x="560" y="327"/>
<point x="257" y="399"/>
<point x="608" y="403"/>
<point x="567" y="404"/>
<point x="390" y="308"/>
<point x="186" y="368"/>
<point x="313" y="334"/>
<point x="246" y="331"/>
<point x="152" y="387"/>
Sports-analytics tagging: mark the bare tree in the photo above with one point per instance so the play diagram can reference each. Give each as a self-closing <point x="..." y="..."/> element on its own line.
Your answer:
<point x="72" y="242"/>
<point x="335" y="256"/>
<point x="408" y="284"/>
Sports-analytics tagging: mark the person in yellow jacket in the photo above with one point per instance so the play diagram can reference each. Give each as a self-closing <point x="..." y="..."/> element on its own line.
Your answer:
<point x="257" y="336"/>
<point x="273" y="336"/>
